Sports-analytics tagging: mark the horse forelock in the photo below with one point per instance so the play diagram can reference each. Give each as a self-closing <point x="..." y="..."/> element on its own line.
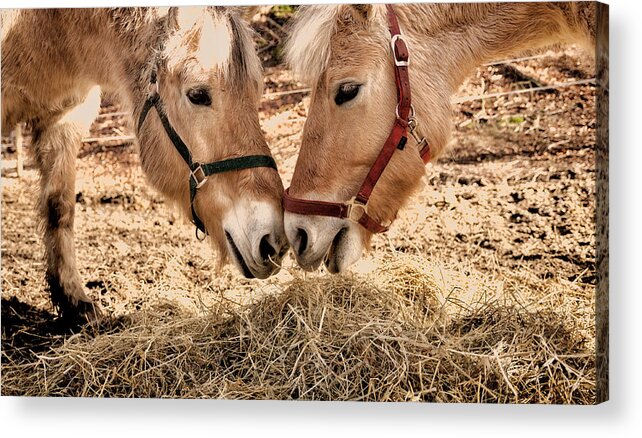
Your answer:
<point x="218" y="39"/>
<point x="308" y="48"/>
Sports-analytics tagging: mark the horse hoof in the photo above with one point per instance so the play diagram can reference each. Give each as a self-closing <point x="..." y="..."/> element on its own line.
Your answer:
<point x="89" y="313"/>
<point x="80" y="314"/>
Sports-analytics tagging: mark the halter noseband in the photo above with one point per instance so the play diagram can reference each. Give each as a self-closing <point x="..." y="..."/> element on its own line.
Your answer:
<point x="357" y="208"/>
<point x="198" y="172"/>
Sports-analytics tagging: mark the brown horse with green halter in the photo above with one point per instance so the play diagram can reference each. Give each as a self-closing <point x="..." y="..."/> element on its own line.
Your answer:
<point x="192" y="79"/>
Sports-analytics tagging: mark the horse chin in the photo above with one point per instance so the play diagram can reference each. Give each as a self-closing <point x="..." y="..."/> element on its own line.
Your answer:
<point x="345" y="250"/>
<point x="237" y="257"/>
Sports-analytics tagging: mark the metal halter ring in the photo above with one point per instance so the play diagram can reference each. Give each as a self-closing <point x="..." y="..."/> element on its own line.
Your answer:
<point x="200" y="236"/>
<point x="398" y="62"/>
<point x="194" y="174"/>
<point x="410" y="116"/>
<point x="355" y="207"/>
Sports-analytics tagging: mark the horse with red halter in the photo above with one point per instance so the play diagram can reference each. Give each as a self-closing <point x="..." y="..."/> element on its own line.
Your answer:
<point x="192" y="80"/>
<point x="382" y="77"/>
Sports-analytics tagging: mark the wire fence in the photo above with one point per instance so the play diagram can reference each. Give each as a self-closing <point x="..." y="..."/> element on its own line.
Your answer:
<point x="484" y="96"/>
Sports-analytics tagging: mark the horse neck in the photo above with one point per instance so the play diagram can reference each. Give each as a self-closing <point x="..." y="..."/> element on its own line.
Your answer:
<point x="448" y="41"/>
<point x="136" y="38"/>
<point x="112" y="48"/>
<point x="451" y="40"/>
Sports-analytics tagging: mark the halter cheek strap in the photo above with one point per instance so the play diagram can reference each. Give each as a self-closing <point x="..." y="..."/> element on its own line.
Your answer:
<point x="198" y="172"/>
<point x="357" y="208"/>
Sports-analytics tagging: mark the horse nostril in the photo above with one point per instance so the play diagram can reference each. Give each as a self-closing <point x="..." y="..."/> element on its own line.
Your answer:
<point x="266" y="250"/>
<point x="301" y="241"/>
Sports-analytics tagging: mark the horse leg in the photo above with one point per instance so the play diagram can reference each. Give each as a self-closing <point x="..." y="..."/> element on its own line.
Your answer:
<point x="18" y="143"/>
<point x="56" y="147"/>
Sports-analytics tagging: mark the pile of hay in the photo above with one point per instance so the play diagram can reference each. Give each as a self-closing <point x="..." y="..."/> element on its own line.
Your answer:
<point x="400" y="334"/>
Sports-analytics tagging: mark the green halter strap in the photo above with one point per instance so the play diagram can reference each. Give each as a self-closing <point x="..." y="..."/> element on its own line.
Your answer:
<point x="198" y="172"/>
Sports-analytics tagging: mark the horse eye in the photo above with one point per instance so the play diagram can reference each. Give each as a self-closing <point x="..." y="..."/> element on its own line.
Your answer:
<point x="346" y="93"/>
<point x="199" y="96"/>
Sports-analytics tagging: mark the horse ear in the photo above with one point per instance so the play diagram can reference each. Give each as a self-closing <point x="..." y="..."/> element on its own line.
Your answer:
<point x="356" y="14"/>
<point x="364" y="11"/>
<point x="167" y="15"/>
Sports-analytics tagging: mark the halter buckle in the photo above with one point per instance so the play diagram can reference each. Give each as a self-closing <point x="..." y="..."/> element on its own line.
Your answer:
<point x="393" y="46"/>
<point x="356" y="210"/>
<point x="198" y="175"/>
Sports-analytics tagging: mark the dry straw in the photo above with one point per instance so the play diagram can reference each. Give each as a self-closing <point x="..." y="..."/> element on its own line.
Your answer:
<point x="403" y="333"/>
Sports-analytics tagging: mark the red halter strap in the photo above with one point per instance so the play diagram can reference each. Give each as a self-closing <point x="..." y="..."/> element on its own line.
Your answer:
<point x="357" y="208"/>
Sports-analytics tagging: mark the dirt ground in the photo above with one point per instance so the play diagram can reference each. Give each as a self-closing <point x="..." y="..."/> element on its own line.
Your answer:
<point x="512" y="199"/>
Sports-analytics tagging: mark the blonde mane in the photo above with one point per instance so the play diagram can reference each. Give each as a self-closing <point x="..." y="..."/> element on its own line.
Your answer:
<point x="243" y="58"/>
